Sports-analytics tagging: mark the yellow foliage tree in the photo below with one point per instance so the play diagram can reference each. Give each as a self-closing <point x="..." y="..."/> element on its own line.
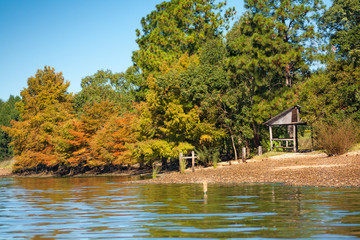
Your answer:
<point x="45" y="109"/>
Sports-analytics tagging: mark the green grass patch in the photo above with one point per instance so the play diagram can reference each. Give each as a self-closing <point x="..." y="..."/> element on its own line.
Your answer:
<point x="269" y="154"/>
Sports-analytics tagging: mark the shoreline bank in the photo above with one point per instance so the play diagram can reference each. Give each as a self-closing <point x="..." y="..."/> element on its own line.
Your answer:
<point x="309" y="169"/>
<point x="296" y="170"/>
<point x="5" y="173"/>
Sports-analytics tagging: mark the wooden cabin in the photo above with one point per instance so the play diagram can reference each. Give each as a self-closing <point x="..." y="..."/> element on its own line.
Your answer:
<point x="291" y="119"/>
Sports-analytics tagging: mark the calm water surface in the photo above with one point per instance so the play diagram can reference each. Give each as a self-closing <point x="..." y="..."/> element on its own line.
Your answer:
<point x="108" y="208"/>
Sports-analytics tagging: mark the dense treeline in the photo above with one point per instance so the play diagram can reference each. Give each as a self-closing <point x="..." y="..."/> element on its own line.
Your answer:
<point x="196" y="84"/>
<point x="8" y="112"/>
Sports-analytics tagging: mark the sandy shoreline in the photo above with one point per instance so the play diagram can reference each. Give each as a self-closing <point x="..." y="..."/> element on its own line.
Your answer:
<point x="291" y="169"/>
<point x="296" y="170"/>
<point x="5" y="172"/>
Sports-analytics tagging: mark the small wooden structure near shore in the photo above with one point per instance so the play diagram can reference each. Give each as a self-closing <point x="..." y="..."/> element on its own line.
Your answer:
<point x="182" y="158"/>
<point x="291" y="119"/>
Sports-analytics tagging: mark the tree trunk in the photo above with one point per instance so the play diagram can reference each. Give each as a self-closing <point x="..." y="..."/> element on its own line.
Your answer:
<point x="234" y="147"/>
<point x="141" y="162"/>
<point x="288" y="75"/>
<point x="247" y="146"/>
<point x="256" y="135"/>
<point x="164" y="163"/>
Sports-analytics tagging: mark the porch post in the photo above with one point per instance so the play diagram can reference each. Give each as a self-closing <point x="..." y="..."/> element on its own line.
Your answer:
<point x="295" y="138"/>
<point x="271" y="138"/>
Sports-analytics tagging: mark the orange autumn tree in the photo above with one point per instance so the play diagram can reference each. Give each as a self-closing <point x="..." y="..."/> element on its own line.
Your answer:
<point x="112" y="144"/>
<point x="45" y="109"/>
<point x="95" y="115"/>
<point x="101" y="139"/>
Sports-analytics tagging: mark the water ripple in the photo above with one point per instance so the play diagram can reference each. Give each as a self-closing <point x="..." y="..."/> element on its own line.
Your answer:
<point x="100" y="208"/>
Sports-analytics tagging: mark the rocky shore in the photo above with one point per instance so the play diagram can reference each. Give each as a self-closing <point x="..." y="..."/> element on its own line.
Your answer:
<point x="290" y="169"/>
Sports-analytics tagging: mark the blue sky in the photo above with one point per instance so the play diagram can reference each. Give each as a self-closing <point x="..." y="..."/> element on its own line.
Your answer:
<point x="76" y="37"/>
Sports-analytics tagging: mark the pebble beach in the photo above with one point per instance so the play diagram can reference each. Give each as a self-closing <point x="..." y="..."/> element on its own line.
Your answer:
<point x="295" y="169"/>
<point x="290" y="169"/>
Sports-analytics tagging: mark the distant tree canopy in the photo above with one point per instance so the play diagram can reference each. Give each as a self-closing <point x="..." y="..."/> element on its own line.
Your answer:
<point x="277" y="37"/>
<point x="342" y="25"/>
<point x="177" y="27"/>
<point x="120" y="88"/>
<point x="334" y="93"/>
<point x="8" y="112"/>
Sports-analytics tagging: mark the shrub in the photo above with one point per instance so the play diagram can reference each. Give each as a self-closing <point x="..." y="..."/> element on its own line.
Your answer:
<point x="156" y="170"/>
<point x="215" y="158"/>
<point x="337" y="137"/>
<point x="207" y="156"/>
<point x="182" y="166"/>
<point x="305" y="141"/>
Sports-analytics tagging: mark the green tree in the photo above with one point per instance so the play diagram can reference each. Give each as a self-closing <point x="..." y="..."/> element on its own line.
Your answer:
<point x="334" y="93"/>
<point x="172" y="116"/>
<point x="8" y="112"/>
<point x="177" y="27"/>
<point x="169" y="43"/>
<point x="277" y="38"/>
<point x="120" y="88"/>
<point x="342" y="25"/>
<point x="270" y="49"/>
<point x="206" y="84"/>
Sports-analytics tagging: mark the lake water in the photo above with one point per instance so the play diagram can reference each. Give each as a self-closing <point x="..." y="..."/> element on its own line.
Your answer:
<point x="108" y="208"/>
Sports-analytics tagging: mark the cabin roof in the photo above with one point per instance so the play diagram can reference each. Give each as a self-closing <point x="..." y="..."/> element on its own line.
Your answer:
<point x="287" y="117"/>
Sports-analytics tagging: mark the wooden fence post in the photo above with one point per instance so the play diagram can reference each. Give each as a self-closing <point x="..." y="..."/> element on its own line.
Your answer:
<point x="271" y="139"/>
<point x="193" y="161"/>
<point x="244" y="154"/>
<point x="294" y="138"/>
<point x="180" y="161"/>
<point x="205" y="187"/>
<point x="260" y="151"/>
